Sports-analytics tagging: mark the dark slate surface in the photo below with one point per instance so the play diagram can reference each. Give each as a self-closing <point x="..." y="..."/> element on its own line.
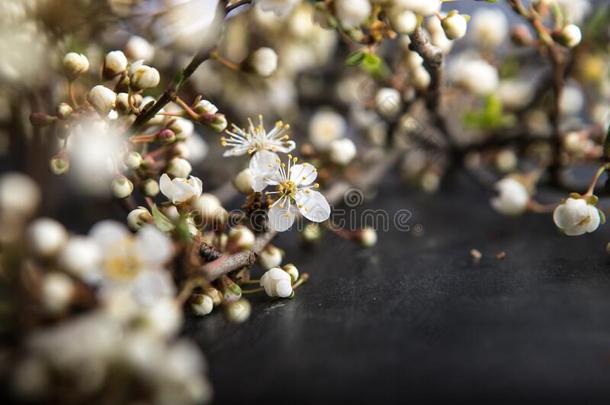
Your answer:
<point x="414" y="319"/>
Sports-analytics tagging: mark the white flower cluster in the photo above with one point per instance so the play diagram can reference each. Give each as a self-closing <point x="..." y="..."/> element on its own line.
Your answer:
<point x="295" y="190"/>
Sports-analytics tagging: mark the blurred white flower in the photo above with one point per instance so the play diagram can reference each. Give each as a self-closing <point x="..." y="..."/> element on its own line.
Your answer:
<point x="57" y="292"/>
<point x="46" y="237"/>
<point x="352" y="13"/>
<point x="403" y="21"/>
<point x="575" y="10"/>
<point x="571" y="35"/>
<point x="489" y="27"/>
<point x="257" y="139"/>
<point x="324" y="127"/>
<point x="455" y="26"/>
<point x="138" y="48"/>
<point x="263" y="61"/>
<point x="19" y="195"/>
<point x="180" y="190"/>
<point x="295" y="189"/>
<point x="512" y="198"/>
<point x="342" y="151"/>
<point x="475" y="75"/>
<point x="575" y="217"/>
<point x="134" y="263"/>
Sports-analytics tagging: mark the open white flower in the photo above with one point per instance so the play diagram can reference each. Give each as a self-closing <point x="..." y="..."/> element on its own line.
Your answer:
<point x="277" y="283"/>
<point x="180" y="190"/>
<point x="513" y="197"/>
<point x="133" y="263"/>
<point x="576" y="217"/>
<point x="295" y="188"/>
<point x="256" y="139"/>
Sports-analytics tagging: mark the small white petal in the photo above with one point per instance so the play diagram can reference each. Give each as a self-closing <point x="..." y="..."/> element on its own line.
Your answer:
<point x="154" y="247"/>
<point x="166" y="186"/>
<point x="281" y="216"/>
<point x="107" y="234"/>
<point x="313" y="205"/>
<point x="303" y="174"/>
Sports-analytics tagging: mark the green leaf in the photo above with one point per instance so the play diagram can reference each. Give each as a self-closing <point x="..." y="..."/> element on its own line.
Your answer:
<point x="355" y="58"/>
<point x="162" y="222"/>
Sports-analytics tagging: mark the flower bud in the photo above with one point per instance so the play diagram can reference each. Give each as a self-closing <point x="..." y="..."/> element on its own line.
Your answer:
<point x="367" y="237"/>
<point x="512" y="198"/>
<point x="231" y="292"/>
<point x="19" y="194"/>
<point x="179" y="167"/>
<point x="570" y="36"/>
<point x="210" y="208"/>
<point x="115" y="63"/>
<point x="46" y="237"/>
<point x="241" y="238"/>
<point x="292" y="270"/>
<point x="352" y="13"/>
<point x="122" y="103"/>
<point x="403" y="21"/>
<point x="238" y="311"/>
<point x="121" y="187"/>
<point x="311" y="233"/>
<point x="57" y="292"/>
<point x="75" y="64"/>
<point x="133" y="160"/>
<point x="64" y="110"/>
<point x="270" y="257"/>
<point x="59" y="165"/>
<point x="183" y="128"/>
<point x="215" y="295"/>
<point x="202" y="304"/>
<point x="151" y="188"/>
<point x="454" y="25"/>
<point x="243" y="181"/>
<point x="263" y="61"/>
<point x="420" y="78"/>
<point x="342" y="151"/>
<point x="576" y="216"/>
<point x="145" y="77"/>
<point x="139" y="217"/>
<point x="102" y="99"/>
<point x="219" y="123"/>
<point x="277" y="283"/>
<point x="137" y="48"/>
<point x="205" y="107"/>
<point x="387" y="101"/>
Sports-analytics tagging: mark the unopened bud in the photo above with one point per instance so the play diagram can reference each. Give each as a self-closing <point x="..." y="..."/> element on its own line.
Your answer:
<point x="238" y="311"/>
<point x="102" y="99"/>
<point x="270" y="257"/>
<point x="75" y="64"/>
<point x="139" y="217"/>
<point x="145" y="77"/>
<point x="179" y="167"/>
<point x="367" y="237"/>
<point x="292" y="270"/>
<point x="115" y="63"/>
<point x="570" y="36"/>
<point x="243" y="181"/>
<point x="151" y="188"/>
<point x="263" y="62"/>
<point x="122" y="187"/>
<point x="133" y="160"/>
<point x="59" y="165"/>
<point x="202" y="304"/>
<point x="64" y="111"/>
<point x="205" y="107"/>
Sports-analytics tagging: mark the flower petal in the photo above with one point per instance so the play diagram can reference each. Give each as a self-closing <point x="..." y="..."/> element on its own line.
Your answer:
<point x="152" y="286"/>
<point x="313" y="205"/>
<point x="264" y="166"/>
<point x="303" y="174"/>
<point x="166" y="186"/>
<point x="108" y="234"/>
<point x="594" y="219"/>
<point x="282" y="216"/>
<point x="154" y="248"/>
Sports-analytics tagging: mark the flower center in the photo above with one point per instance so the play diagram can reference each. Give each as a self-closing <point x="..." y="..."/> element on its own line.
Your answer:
<point x="287" y="188"/>
<point x="123" y="266"/>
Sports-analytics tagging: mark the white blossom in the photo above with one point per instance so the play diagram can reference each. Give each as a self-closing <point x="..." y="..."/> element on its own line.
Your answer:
<point x="178" y="167"/>
<point x="75" y="64"/>
<point x="324" y="127"/>
<point x="403" y="21"/>
<point x="57" y="291"/>
<point x="277" y="283"/>
<point x="256" y="139"/>
<point x="425" y="8"/>
<point x="263" y="61"/>
<point x="180" y="190"/>
<point x="81" y="257"/>
<point x="46" y="237"/>
<point x="115" y="63"/>
<point x="145" y="77"/>
<point x="476" y="75"/>
<point x="571" y="35"/>
<point x="352" y="13"/>
<point x="576" y="217"/>
<point x="489" y="27"/>
<point x="137" y="48"/>
<point x="513" y="197"/>
<point x="19" y="195"/>
<point x="388" y="101"/>
<point x="342" y="151"/>
<point x="295" y="190"/>
<point x="102" y="99"/>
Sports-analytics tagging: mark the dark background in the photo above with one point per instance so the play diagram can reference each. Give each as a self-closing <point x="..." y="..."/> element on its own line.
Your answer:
<point x="414" y="319"/>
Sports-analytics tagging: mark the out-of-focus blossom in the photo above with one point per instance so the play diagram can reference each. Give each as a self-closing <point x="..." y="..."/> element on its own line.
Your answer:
<point x="489" y="27"/>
